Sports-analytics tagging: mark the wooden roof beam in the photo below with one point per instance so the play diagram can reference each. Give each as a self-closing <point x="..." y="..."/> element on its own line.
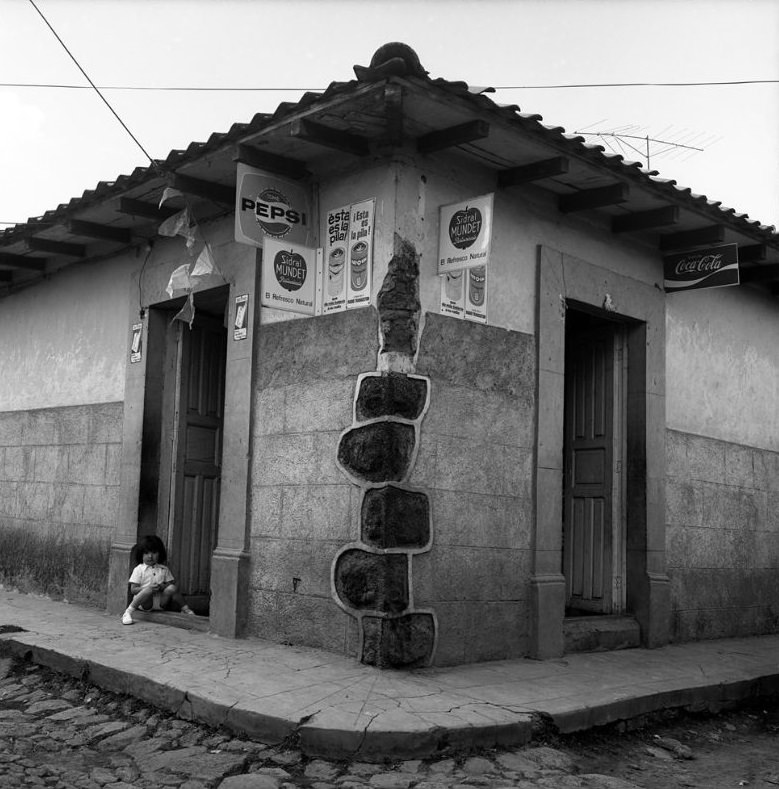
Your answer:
<point x="327" y="137"/>
<point x="752" y="253"/>
<point x="393" y="111"/>
<point x="454" y="135"/>
<point x="139" y="208"/>
<point x="6" y="276"/>
<point x="689" y="239"/>
<point x="270" y="162"/>
<point x="594" y="198"/>
<point x="208" y="190"/>
<point x="56" y="247"/>
<point x="20" y="261"/>
<point x="535" y="171"/>
<point x="646" y="220"/>
<point x="764" y="273"/>
<point x="120" y="235"/>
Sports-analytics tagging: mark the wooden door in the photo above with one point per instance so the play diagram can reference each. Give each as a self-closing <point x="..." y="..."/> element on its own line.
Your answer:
<point x="197" y="457"/>
<point x="589" y="470"/>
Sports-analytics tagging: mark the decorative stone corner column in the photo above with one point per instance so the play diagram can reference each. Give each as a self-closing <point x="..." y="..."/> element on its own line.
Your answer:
<point x="372" y="578"/>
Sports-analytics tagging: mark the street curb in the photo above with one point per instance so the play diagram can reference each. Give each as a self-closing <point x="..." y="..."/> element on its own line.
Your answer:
<point x="314" y="740"/>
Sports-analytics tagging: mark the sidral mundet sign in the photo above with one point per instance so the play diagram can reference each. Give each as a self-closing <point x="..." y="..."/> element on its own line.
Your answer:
<point x="289" y="277"/>
<point x="714" y="267"/>
<point x="465" y="233"/>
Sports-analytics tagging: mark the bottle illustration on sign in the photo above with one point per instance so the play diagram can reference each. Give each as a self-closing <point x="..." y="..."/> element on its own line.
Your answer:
<point x="359" y="274"/>
<point x="476" y="281"/>
<point x="335" y="271"/>
<point x="454" y="285"/>
<point x="290" y="269"/>
<point x="464" y="227"/>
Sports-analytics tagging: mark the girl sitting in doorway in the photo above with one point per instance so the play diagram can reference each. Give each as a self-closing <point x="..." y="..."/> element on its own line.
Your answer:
<point x="151" y="582"/>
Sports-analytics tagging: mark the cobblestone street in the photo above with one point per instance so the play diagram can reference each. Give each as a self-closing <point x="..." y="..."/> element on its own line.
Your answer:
<point x="58" y="732"/>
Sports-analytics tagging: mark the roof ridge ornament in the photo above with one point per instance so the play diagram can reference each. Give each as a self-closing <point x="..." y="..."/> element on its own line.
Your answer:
<point x="391" y="60"/>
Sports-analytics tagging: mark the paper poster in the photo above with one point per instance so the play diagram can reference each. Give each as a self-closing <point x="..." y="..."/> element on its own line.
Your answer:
<point x="465" y="234"/>
<point x="136" y="343"/>
<point x="241" y="322"/>
<point x="360" y="254"/>
<point x="336" y="245"/>
<point x="270" y="207"/>
<point x="289" y="273"/>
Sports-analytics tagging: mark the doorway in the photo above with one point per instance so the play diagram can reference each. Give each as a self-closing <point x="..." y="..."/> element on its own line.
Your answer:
<point x="181" y="455"/>
<point x="594" y="517"/>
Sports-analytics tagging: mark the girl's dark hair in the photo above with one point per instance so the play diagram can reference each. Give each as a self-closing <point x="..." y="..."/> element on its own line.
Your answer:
<point x="151" y="543"/>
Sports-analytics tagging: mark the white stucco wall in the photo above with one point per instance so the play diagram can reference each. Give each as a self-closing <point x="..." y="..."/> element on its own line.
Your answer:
<point x="722" y="365"/>
<point x="62" y="341"/>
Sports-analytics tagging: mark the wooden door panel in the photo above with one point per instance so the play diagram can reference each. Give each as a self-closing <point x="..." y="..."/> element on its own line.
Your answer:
<point x="587" y="537"/>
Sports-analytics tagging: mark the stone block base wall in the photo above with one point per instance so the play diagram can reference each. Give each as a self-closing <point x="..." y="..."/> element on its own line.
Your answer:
<point x="475" y="463"/>
<point x="303" y="508"/>
<point x="722" y="538"/>
<point x="59" y="485"/>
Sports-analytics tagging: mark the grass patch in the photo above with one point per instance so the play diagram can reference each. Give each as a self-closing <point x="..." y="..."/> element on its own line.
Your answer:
<point x="55" y="564"/>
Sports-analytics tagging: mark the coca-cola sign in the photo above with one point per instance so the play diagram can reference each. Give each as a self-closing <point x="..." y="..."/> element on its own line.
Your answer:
<point x="713" y="267"/>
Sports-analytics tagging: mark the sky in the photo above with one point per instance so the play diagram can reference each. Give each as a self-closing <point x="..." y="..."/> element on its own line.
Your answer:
<point x="719" y="140"/>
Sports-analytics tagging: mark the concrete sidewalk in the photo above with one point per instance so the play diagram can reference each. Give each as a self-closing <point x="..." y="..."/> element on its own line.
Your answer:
<point x="339" y="708"/>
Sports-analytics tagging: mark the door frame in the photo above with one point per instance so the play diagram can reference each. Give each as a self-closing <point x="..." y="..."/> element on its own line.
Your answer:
<point x="563" y="279"/>
<point x="230" y="570"/>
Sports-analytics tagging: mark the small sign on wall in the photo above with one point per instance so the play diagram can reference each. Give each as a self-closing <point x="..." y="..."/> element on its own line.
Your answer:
<point x="136" y="343"/>
<point x="268" y="207"/>
<point x="465" y="234"/>
<point x="714" y="267"/>
<point x="464" y="294"/>
<point x="348" y="257"/>
<point x="241" y="321"/>
<point x="289" y="273"/>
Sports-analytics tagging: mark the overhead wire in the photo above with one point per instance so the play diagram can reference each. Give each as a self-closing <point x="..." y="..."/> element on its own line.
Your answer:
<point x="96" y="89"/>
<point x="250" y="89"/>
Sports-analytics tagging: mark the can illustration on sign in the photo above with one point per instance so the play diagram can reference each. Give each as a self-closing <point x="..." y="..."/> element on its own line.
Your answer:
<point x="289" y="273"/>
<point x="465" y="234"/>
<point x="270" y="207"/>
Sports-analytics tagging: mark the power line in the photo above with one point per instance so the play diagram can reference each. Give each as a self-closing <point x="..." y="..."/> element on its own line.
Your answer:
<point x="235" y="88"/>
<point x="97" y="90"/>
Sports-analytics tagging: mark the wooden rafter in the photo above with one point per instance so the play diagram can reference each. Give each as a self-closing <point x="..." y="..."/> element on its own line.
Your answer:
<point x="271" y="162"/>
<point x="454" y="135"/>
<point x="689" y="239"/>
<point x="121" y="235"/>
<point x="21" y="261"/>
<point x="594" y="198"/>
<point x="535" y="171"/>
<point x="645" y="220"/>
<point x="326" y="136"/>
<point x="139" y="208"/>
<point x="216" y="193"/>
<point x="56" y="247"/>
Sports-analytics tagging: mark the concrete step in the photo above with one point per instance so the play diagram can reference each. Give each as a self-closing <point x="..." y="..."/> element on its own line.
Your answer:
<point x="174" y="619"/>
<point x="599" y="633"/>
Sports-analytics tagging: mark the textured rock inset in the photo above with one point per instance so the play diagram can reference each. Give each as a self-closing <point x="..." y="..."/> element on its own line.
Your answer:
<point x="398" y="300"/>
<point x="395" y="518"/>
<point x="377" y="582"/>
<point x="378" y="452"/>
<point x="392" y="394"/>
<point x="403" y="642"/>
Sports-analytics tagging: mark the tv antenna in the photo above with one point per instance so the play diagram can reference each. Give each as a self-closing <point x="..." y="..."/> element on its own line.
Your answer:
<point x="626" y="139"/>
